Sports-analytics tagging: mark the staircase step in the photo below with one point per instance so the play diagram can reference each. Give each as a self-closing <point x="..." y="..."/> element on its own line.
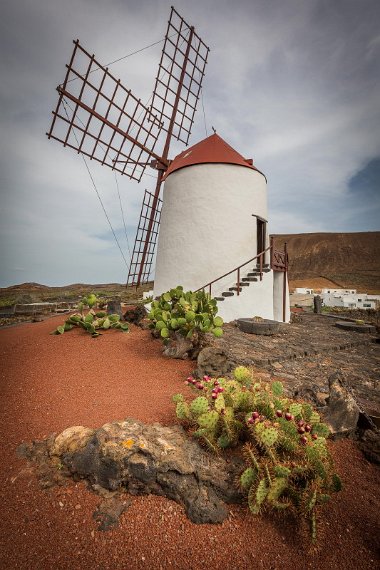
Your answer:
<point x="234" y="289"/>
<point x="228" y="294"/>
<point x="264" y="265"/>
<point x="249" y="279"/>
<point x="219" y="298"/>
<point x="243" y="284"/>
<point x="253" y="274"/>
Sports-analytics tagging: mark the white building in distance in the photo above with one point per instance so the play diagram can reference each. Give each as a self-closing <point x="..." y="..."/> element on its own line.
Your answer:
<point x="349" y="299"/>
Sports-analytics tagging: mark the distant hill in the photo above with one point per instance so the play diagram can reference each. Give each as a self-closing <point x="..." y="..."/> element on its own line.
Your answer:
<point x="347" y="260"/>
<point x="34" y="292"/>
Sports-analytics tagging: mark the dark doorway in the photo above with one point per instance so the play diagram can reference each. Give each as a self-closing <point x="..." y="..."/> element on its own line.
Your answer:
<point x="261" y="235"/>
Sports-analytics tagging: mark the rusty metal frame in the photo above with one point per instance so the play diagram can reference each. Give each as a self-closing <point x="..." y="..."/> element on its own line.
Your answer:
<point x="183" y="88"/>
<point x="90" y="136"/>
<point x="142" y="239"/>
<point x="173" y="110"/>
<point x="129" y="149"/>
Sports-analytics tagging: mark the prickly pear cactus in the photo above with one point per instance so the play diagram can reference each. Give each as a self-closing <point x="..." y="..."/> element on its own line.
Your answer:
<point x="295" y="409"/>
<point x="277" y="487"/>
<point x="282" y="471"/>
<point x="247" y="478"/>
<point x="257" y="496"/>
<point x="199" y="406"/>
<point x="269" y="436"/>
<point x="209" y="420"/>
<point x="190" y="314"/>
<point x="243" y="375"/>
<point x="182" y="411"/>
<point x="288" y="464"/>
<point x="220" y="403"/>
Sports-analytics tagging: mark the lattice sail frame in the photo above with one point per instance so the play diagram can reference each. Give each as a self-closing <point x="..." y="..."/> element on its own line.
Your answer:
<point x="97" y="116"/>
<point x="174" y="89"/>
<point x="142" y="238"/>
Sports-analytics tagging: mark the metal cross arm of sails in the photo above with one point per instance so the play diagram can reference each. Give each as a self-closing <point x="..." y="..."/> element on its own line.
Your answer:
<point x="100" y="118"/>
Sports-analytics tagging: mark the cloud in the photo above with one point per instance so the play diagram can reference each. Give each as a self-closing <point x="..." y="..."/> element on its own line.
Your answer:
<point x="292" y="84"/>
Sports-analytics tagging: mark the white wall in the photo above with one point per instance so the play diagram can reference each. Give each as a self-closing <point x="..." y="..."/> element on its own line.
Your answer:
<point x="328" y="291"/>
<point x="349" y="301"/>
<point x="278" y="287"/>
<point x="207" y="227"/>
<point x="253" y="301"/>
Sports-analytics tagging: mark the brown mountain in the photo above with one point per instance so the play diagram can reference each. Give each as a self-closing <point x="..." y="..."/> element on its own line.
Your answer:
<point x="347" y="260"/>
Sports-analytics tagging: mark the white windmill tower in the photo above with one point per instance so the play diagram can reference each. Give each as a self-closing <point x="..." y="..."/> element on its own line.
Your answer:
<point x="215" y="211"/>
<point x="213" y="233"/>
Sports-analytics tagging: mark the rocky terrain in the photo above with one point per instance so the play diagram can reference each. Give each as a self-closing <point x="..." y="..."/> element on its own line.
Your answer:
<point x="347" y="260"/>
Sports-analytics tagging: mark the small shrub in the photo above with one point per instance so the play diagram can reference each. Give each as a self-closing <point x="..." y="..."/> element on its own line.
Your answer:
<point x="288" y="466"/>
<point x="188" y="314"/>
<point x="93" y="321"/>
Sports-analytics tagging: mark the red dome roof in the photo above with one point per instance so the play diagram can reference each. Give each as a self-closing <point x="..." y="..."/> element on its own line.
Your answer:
<point x="211" y="150"/>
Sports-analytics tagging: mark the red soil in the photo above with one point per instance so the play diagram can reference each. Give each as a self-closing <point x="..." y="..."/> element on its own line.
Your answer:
<point x="51" y="382"/>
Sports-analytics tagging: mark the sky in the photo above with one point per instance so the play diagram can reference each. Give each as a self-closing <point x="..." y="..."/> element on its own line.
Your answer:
<point x="293" y="84"/>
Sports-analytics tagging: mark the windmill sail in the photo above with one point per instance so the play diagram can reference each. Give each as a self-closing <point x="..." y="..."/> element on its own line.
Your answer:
<point x="179" y="79"/>
<point x="97" y="116"/>
<point x="142" y="238"/>
<point x="175" y="97"/>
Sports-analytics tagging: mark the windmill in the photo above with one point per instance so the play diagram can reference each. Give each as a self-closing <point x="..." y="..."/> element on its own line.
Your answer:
<point x="100" y="118"/>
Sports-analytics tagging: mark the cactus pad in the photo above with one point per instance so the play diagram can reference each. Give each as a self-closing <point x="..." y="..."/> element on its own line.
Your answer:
<point x="247" y="478"/>
<point x="223" y="441"/>
<point x="177" y="398"/>
<point x="243" y="375"/>
<point x="276" y="489"/>
<point x="315" y="418"/>
<point x="199" y="406"/>
<point x="277" y="388"/>
<point x="322" y="430"/>
<point x="282" y="471"/>
<point x="209" y="420"/>
<point x="257" y="497"/>
<point x="269" y="436"/>
<point x="220" y="404"/>
<point x="182" y="411"/>
<point x="295" y="409"/>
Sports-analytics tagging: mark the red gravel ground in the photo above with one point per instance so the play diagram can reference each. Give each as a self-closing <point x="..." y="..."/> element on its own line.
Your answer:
<point x="51" y="382"/>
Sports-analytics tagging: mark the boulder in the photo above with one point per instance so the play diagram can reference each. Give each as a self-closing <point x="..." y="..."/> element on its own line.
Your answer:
<point x="114" y="307"/>
<point x="135" y="315"/>
<point x="369" y="443"/>
<point x="70" y="440"/>
<point x="143" y="459"/>
<point x="213" y="361"/>
<point x="179" y="347"/>
<point x="342" y="412"/>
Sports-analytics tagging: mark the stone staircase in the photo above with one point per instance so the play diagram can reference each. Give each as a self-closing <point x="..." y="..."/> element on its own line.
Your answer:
<point x="251" y="277"/>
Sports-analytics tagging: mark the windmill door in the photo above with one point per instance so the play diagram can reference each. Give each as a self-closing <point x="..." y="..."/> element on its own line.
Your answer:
<point x="261" y="234"/>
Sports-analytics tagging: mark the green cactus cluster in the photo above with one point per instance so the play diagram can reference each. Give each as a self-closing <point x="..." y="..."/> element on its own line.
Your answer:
<point x="187" y="313"/>
<point x="288" y="464"/>
<point x="93" y="321"/>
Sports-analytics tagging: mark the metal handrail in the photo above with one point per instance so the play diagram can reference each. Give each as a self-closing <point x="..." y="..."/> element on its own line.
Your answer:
<point x="258" y="256"/>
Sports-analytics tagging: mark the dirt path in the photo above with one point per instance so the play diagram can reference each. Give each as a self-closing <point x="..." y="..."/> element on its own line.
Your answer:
<point x="49" y="383"/>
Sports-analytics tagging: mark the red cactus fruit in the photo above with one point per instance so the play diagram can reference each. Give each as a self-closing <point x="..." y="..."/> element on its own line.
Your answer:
<point x="279" y="413"/>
